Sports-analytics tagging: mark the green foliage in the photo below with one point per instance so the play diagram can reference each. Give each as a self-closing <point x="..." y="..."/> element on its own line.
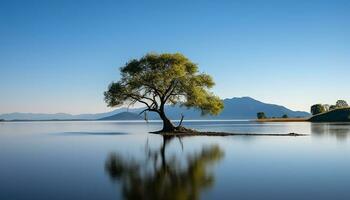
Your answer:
<point x="317" y="109"/>
<point x="261" y="115"/>
<point x="158" y="79"/>
<point x="285" y="116"/>
<point x="341" y="104"/>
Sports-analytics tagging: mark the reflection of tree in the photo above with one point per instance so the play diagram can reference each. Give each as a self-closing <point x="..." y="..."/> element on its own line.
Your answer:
<point x="338" y="130"/>
<point x="159" y="178"/>
<point x="319" y="128"/>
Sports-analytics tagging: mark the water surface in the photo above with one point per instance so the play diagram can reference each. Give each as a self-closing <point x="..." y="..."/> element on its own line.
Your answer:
<point x="116" y="160"/>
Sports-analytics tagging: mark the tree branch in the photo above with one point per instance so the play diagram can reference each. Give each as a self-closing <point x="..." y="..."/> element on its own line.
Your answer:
<point x="170" y="90"/>
<point x="141" y="101"/>
<point x="182" y="118"/>
<point x="148" y="109"/>
<point x="154" y="89"/>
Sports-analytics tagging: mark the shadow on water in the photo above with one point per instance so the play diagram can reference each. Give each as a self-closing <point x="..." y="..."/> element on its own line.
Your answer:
<point x="160" y="177"/>
<point x="338" y="130"/>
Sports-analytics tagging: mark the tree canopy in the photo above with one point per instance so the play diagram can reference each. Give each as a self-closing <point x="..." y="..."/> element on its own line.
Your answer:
<point x="317" y="109"/>
<point x="341" y="104"/>
<point x="159" y="79"/>
<point x="261" y="115"/>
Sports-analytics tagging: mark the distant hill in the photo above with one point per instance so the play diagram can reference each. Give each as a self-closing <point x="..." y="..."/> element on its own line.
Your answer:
<point x="235" y="108"/>
<point x="246" y="108"/>
<point x="35" y="116"/>
<point x="337" y="115"/>
<point x="123" y="116"/>
<point x="59" y="116"/>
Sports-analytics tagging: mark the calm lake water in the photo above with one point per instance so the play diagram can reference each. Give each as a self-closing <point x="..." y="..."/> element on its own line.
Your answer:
<point x="121" y="160"/>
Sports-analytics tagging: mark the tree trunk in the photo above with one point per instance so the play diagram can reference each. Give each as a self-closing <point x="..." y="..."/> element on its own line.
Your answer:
<point x="167" y="125"/>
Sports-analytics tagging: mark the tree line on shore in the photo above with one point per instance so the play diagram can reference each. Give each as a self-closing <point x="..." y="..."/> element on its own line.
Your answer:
<point x="262" y="115"/>
<point x="315" y="109"/>
<point x="322" y="108"/>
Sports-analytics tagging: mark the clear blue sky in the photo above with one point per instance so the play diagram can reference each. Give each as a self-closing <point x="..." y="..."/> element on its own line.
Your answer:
<point x="59" y="56"/>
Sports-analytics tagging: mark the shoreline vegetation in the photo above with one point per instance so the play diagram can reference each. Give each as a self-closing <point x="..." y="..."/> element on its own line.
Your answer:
<point x="320" y="114"/>
<point x="337" y="115"/>
<point x="283" y="120"/>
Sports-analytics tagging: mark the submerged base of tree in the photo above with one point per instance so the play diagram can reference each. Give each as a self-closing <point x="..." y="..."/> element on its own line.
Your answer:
<point x="182" y="131"/>
<point x="177" y="130"/>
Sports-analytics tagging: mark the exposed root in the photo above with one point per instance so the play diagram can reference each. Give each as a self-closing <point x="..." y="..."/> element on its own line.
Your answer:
<point x="178" y="130"/>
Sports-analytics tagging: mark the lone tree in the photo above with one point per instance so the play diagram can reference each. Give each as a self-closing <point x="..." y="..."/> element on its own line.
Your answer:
<point x="156" y="80"/>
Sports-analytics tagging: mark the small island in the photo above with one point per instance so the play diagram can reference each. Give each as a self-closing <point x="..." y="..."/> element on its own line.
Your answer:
<point x="262" y="117"/>
<point x="283" y="120"/>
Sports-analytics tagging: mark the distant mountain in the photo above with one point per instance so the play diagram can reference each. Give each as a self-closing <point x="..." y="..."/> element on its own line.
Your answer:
<point x="35" y="116"/>
<point x="246" y="108"/>
<point x="60" y="116"/>
<point x="235" y="108"/>
<point x="123" y="116"/>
